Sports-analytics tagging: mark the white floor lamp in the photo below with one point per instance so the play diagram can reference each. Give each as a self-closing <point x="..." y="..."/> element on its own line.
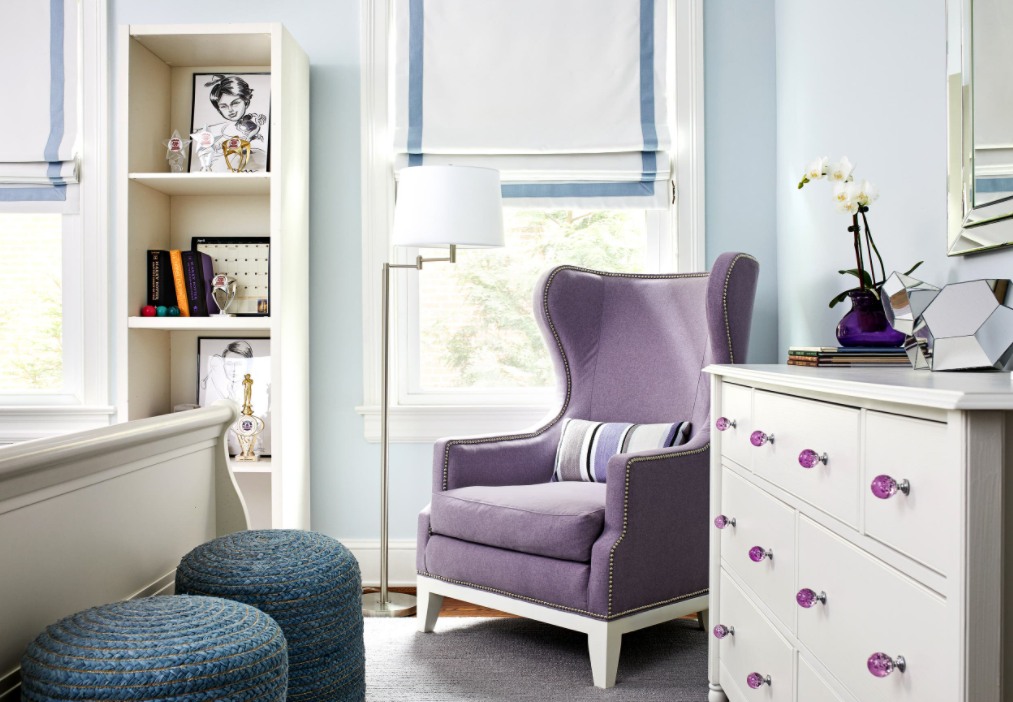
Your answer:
<point x="436" y="206"/>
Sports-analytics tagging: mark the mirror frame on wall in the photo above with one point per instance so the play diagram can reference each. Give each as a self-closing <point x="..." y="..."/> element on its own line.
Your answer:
<point x="970" y="229"/>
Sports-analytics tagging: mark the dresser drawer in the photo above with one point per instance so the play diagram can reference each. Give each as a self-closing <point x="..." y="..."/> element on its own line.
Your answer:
<point x="798" y="425"/>
<point x="870" y="608"/>
<point x="754" y="647"/>
<point x="765" y="522"/>
<point x="811" y="687"/>
<point x="736" y="405"/>
<point x="920" y="523"/>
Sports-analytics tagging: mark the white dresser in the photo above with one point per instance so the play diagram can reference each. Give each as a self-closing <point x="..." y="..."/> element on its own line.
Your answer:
<point x="858" y="543"/>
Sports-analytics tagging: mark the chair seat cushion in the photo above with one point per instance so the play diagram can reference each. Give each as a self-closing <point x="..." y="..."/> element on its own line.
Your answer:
<point x="557" y="520"/>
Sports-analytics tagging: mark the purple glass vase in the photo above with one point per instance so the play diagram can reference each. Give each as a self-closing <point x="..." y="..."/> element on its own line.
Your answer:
<point x="865" y="324"/>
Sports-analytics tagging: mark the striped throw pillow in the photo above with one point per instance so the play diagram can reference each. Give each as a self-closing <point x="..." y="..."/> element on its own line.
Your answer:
<point x="586" y="447"/>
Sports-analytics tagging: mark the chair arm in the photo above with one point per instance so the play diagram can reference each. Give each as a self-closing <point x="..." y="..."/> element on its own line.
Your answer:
<point x="516" y="459"/>
<point x="654" y="546"/>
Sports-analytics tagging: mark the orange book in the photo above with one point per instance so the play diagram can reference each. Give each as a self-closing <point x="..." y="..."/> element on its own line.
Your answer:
<point x="176" y="260"/>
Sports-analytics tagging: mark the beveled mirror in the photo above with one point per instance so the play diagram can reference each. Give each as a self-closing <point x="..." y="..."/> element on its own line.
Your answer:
<point x="980" y="125"/>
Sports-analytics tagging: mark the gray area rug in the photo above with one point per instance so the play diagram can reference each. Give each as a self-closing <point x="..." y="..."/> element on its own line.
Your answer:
<point x="519" y="659"/>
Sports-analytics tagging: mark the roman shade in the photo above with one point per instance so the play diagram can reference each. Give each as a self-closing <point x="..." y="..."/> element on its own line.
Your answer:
<point x="566" y="98"/>
<point x="38" y="127"/>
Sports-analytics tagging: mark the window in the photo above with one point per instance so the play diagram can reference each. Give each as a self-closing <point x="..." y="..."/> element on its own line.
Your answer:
<point x="54" y="322"/>
<point x="468" y="356"/>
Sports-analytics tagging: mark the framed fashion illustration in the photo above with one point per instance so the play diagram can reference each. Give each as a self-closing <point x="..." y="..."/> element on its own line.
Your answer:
<point x="222" y="363"/>
<point x="230" y="127"/>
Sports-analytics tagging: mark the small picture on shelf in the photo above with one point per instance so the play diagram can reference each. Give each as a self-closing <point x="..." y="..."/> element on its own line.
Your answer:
<point x="222" y="363"/>
<point x="231" y="106"/>
<point x="245" y="259"/>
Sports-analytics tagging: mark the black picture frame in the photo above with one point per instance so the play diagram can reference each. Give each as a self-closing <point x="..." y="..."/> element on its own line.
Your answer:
<point x="228" y="105"/>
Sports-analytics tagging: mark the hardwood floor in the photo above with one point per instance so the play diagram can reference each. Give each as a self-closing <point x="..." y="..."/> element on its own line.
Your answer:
<point x="457" y="608"/>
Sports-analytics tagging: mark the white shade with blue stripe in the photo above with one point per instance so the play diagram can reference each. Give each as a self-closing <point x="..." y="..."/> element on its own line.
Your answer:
<point x="565" y="98"/>
<point x="38" y="127"/>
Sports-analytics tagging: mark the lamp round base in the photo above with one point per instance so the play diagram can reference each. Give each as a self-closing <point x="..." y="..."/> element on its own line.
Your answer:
<point x="398" y="605"/>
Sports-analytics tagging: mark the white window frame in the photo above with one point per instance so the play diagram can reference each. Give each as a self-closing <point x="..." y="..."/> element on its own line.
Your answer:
<point x="414" y="421"/>
<point x="84" y="401"/>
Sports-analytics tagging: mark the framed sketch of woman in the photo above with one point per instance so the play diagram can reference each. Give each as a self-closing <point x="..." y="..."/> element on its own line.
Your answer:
<point x="232" y="105"/>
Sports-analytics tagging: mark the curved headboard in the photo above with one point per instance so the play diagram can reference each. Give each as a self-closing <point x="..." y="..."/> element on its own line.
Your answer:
<point x="105" y="515"/>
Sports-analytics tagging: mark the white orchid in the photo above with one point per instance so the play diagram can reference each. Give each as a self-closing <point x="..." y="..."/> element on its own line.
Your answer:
<point x="865" y="193"/>
<point x="817" y="169"/>
<point x="844" y="198"/>
<point x="840" y="172"/>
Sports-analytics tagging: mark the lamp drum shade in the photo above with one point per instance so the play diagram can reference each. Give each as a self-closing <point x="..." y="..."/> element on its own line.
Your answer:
<point x="442" y="205"/>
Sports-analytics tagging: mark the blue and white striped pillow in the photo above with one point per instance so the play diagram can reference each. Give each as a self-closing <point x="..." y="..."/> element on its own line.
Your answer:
<point x="585" y="447"/>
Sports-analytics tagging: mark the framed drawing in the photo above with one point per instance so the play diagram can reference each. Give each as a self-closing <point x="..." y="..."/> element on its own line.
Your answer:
<point x="247" y="260"/>
<point x="231" y="106"/>
<point x="222" y="362"/>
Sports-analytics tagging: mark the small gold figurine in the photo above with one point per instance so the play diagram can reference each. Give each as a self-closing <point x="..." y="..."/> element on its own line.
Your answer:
<point x="247" y="427"/>
<point x="240" y="148"/>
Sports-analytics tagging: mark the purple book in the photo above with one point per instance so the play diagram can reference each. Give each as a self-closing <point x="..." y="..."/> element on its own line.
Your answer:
<point x="207" y="268"/>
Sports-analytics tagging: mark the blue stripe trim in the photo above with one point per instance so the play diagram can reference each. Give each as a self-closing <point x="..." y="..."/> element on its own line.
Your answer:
<point x="56" y="85"/>
<point x="649" y="159"/>
<point x="414" y="159"/>
<point x="416" y="37"/>
<point x="532" y="190"/>
<point x="993" y="185"/>
<point x="647" y="124"/>
<point x="55" y="193"/>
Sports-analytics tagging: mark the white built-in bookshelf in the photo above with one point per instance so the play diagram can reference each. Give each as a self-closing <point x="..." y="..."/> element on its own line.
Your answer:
<point x="157" y="356"/>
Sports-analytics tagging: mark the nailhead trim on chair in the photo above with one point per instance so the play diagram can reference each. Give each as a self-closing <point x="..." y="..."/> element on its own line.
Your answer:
<point x="553" y="605"/>
<point x="724" y="303"/>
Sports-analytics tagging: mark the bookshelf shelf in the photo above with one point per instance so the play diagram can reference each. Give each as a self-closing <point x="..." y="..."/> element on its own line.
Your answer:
<point x="206" y="183"/>
<point x="158" y="366"/>
<point x="232" y="325"/>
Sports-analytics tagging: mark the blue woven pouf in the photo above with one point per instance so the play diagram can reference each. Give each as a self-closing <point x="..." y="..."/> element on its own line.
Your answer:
<point x="158" y="648"/>
<point x="310" y="584"/>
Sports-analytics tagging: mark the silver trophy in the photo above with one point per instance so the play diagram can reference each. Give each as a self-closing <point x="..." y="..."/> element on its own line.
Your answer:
<point x="223" y="291"/>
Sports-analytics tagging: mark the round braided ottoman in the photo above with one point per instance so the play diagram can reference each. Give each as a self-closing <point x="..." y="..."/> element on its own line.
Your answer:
<point x="158" y="648"/>
<point x="310" y="584"/>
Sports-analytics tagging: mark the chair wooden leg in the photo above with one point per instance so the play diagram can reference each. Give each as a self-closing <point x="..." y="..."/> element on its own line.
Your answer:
<point x="703" y="619"/>
<point x="427" y="609"/>
<point x="603" y="644"/>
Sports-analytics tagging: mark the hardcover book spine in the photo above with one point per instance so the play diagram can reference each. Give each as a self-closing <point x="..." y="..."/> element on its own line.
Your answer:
<point x="206" y="266"/>
<point x="176" y="260"/>
<point x="192" y="272"/>
<point x="154" y="278"/>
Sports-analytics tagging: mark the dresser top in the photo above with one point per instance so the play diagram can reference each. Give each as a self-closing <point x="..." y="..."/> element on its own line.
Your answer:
<point x="942" y="390"/>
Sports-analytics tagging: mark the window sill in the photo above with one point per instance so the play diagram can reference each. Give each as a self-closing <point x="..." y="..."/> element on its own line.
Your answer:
<point x="37" y="422"/>
<point x="427" y="423"/>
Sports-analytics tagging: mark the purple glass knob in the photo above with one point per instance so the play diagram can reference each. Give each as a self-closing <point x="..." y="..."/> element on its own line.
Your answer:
<point x="882" y="665"/>
<point x="806" y="598"/>
<point x="721" y="521"/>
<point x="759" y="438"/>
<point x="724" y="423"/>
<point x="756" y="680"/>
<point x="809" y="458"/>
<point x="721" y="631"/>
<point x="758" y="553"/>
<point x="884" y="487"/>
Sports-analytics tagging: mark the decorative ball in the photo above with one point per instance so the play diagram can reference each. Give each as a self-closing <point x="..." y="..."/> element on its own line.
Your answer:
<point x="173" y="311"/>
<point x="148" y="311"/>
<point x="161" y="311"/>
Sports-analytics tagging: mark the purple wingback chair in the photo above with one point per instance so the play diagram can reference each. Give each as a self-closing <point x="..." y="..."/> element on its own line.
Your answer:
<point x="599" y="558"/>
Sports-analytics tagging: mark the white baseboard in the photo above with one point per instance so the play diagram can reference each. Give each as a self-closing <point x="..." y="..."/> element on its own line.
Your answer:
<point x="400" y="561"/>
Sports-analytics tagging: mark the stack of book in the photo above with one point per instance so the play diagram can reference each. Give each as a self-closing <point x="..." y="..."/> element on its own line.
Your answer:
<point x="846" y="357"/>
<point x="181" y="279"/>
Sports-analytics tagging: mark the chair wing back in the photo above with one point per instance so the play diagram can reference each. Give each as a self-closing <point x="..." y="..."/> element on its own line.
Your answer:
<point x="630" y="347"/>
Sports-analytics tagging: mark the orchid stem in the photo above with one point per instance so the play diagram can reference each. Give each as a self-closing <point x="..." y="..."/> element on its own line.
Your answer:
<point x="855" y="230"/>
<point x="868" y="235"/>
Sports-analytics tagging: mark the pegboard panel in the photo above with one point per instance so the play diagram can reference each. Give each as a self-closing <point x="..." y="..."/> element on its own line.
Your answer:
<point x="247" y="260"/>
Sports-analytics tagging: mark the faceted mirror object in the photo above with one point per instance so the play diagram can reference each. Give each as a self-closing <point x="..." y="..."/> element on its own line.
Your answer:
<point x="918" y="346"/>
<point x="904" y="299"/>
<point x="966" y="326"/>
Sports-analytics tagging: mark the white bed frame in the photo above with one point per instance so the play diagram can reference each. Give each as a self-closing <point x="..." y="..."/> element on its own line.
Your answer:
<point x="105" y="515"/>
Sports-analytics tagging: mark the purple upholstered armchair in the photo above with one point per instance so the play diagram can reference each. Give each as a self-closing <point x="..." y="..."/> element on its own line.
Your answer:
<point x="608" y="558"/>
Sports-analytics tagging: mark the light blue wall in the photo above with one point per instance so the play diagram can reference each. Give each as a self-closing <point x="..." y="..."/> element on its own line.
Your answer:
<point x="866" y="79"/>
<point x="740" y="122"/>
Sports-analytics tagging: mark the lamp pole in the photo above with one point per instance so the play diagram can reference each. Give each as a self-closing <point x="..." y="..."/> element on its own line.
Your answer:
<point x="385" y="603"/>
